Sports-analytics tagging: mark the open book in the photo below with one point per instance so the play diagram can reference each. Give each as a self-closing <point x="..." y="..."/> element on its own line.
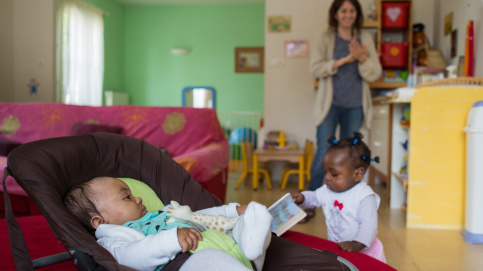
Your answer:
<point x="285" y="214"/>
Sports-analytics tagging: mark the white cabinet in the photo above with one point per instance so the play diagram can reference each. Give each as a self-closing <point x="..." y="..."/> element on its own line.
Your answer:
<point x="379" y="139"/>
<point x="389" y="141"/>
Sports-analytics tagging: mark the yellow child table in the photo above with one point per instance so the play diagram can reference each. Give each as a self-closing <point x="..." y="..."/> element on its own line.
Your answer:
<point x="294" y="156"/>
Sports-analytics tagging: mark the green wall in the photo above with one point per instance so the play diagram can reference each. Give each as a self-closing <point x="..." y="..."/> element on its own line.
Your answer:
<point x="113" y="43"/>
<point x="153" y="76"/>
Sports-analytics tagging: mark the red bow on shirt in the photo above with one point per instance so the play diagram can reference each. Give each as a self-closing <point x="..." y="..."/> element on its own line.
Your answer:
<point x="337" y="204"/>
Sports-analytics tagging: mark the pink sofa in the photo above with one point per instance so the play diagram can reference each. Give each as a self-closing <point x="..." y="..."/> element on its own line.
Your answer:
<point x="192" y="136"/>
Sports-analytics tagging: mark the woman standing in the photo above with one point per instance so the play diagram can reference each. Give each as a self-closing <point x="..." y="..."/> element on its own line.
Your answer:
<point x="344" y="60"/>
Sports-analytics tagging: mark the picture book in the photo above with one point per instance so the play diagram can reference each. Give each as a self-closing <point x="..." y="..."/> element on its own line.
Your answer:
<point x="285" y="214"/>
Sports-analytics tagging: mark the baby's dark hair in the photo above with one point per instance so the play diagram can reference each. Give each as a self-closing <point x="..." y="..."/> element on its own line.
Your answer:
<point x="79" y="200"/>
<point x="359" y="153"/>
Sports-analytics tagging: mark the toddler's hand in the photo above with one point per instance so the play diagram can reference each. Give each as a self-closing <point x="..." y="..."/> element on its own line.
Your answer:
<point x="351" y="246"/>
<point x="188" y="238"/>
<point x="297" y="197"/>
<point x="241" y="209"/>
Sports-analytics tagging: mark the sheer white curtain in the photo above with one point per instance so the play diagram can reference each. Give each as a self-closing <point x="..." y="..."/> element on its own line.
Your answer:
<point x="80" y="53"/>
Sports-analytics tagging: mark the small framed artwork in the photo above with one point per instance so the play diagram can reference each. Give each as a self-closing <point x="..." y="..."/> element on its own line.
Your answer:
<point x="454" y="40"/>
<point x="249" y="59"/>
<point x="281" y="23"/>
<point x="448" y="23"/>
<point x="296" y="48"/>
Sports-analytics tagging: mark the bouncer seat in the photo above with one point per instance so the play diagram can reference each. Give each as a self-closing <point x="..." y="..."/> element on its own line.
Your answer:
<point x="47" y="168"/>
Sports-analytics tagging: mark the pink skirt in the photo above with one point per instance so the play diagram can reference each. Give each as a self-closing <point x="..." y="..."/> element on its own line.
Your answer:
<point x="376" y="250"/>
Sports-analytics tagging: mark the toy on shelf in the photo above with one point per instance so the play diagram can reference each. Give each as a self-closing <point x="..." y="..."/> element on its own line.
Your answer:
<point x="403" y="172"/>
<point x="405" y="145"/>
<point x="237" y="136"/>
<point x="406" y="117"/>
<point x="394" y="75"/>
<point x="275" y="140"/>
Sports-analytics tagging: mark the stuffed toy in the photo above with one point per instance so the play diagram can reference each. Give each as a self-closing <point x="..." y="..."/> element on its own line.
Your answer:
<point x="251" y="231"/>
<point x="183" y="214"/>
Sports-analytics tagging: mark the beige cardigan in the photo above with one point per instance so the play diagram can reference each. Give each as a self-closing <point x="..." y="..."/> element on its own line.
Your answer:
<point x="321" y="66"/>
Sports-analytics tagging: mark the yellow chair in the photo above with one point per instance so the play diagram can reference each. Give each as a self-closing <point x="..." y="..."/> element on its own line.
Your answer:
<point x="308" y="156"/>
<point x="247" y="153"/>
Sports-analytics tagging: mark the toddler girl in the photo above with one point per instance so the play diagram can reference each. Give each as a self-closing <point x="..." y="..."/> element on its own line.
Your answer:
<point x="349" y="205"/>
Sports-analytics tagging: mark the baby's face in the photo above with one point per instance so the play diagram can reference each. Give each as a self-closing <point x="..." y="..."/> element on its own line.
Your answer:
<point x="340" y="174"/>
<point x="115" y="202"/>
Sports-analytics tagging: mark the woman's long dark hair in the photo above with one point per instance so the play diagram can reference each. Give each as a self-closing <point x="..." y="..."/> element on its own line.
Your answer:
<point x="333" y="23"/>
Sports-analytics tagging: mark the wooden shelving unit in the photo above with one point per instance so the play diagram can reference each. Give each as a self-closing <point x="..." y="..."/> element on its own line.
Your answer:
<point x="405" y="32"/>
<point x="386" y="85"/>
<point x="371" y="24"/>
<point x="386" y="125"/>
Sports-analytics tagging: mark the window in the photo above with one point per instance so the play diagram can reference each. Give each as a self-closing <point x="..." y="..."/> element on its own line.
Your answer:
<point x="80" y="53"/>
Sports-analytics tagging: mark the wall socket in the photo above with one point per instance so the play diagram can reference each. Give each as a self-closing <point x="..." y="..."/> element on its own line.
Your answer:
<point x="277" y="62"/>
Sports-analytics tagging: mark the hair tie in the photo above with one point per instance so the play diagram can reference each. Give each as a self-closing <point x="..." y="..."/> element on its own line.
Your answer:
<point x="355" y="141"/>
<point x="358" y="136"/>
<point x="375" y="159"/>
<point x="332" y="140"/>
<point x="363" y="157"/>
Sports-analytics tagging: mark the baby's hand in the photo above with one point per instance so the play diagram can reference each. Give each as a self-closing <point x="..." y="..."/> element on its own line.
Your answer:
<point x="297" y="197"/>
<point x="241" y="209"/>
<point x="188" y="238"/>
<point x="351" y="246"/>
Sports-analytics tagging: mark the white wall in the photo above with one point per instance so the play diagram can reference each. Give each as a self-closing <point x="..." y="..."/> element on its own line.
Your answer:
<point x="27" y="50"/>
<point x="289" y="94"/>
<point x="424" y="12"/>
<point x="34" y="49"/>
<point x="6" y="51"/>
<point x="463" y="11"/>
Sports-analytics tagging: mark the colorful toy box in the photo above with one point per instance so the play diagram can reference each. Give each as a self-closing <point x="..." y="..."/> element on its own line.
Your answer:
<point x="394" y="54"/>
<point x="395" y="14"/>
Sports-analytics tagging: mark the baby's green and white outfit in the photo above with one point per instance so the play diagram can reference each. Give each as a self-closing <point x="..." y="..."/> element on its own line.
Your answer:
<point x="149" y="243"/>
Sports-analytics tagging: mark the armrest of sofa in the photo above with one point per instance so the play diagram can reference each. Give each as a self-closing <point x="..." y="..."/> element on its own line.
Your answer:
<point x="7" y="145"/>
<point x="205" y="162"/>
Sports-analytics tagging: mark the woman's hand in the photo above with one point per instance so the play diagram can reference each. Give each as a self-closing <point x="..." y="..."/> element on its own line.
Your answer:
<point x="342" y="61"/>
<point x="241" y="209"/>
<point x="358" y="51"/>
<point x="188" y="238"/>
<point x="297" y="197"/>
<point x="351" y="246"/>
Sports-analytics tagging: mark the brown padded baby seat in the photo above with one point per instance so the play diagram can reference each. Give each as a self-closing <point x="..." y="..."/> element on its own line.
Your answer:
<point x="47" y="168"/>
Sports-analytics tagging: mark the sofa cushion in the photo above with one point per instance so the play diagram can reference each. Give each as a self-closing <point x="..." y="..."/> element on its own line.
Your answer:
<point x="7" y="145"/>
<point x="80" y="128"/>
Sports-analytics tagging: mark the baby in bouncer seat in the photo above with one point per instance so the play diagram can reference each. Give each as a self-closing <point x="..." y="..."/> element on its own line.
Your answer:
<point x="152" y="240"/>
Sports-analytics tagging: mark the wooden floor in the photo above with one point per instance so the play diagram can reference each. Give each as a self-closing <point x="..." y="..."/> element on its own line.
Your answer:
<point x="406" y="249"/>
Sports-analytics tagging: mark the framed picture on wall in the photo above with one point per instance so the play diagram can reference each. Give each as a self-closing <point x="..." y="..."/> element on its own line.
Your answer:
<point x="296" y="48"/>
<point x="280" y="23"/>
<point x="249" y="59"/>
<point x="454" y="40"/>
<point x="448" y="23"/>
